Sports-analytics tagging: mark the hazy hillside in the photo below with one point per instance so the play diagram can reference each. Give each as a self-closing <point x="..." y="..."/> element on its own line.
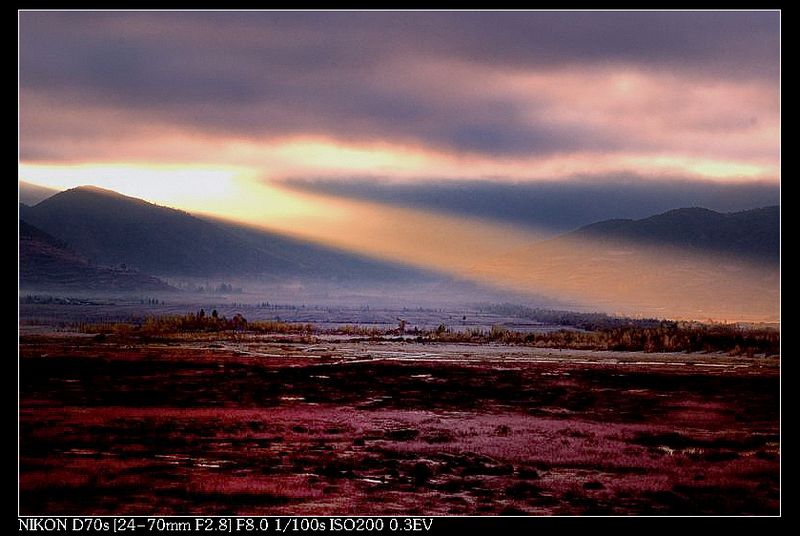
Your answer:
<point x="111" y="228"/>
<point x="47" y="263"/>
<point x="322" y="262"/>
<point x="752" y="234"/>
<point x="30" y="194"/>
<point x="685" y="263"/>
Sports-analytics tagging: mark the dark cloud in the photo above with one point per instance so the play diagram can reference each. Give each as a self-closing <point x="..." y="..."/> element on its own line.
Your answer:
<point x="351" y="75"/>
<point x="553" y="206"/>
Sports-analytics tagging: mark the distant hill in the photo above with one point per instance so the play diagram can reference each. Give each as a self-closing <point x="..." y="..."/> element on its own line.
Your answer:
<point x="686" y="263"/>
<point x="752" y="234"/>
<point x="110" y="228"/>
<point x="47" y="263"/>
<point x="30" y="194"/>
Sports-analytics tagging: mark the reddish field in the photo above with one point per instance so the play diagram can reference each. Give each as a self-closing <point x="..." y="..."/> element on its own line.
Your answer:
<point x="259" y="427"/>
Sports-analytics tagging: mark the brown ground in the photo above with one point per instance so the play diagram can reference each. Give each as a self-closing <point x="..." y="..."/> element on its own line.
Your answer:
<point x="338" y="427"/>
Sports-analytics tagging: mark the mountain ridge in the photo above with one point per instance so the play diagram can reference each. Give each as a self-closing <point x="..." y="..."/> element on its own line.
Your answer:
<point x="752" y="234"/>
<point x="111" y="228"/>
<point x="685" y="263"/>
<point x="45" y="262"/>
<point x="30" y="194"/>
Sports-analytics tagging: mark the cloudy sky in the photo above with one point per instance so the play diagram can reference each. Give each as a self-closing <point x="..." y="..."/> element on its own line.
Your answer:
<point x="309" y="122"/>
<point x="506" y="96"/>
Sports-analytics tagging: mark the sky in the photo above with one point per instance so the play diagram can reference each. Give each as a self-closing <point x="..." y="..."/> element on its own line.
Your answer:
<point x="291" y="120"/>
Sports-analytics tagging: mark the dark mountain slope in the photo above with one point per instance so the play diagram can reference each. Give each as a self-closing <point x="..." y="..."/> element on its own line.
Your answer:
<point x="111" y="228"/>
<point x="47" y="263"/>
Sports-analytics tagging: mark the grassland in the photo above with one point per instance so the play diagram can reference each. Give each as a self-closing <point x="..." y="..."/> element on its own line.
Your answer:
<point x="292" y="423"/>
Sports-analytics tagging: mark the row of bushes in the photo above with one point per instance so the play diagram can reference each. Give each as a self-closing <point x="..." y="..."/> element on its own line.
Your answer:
<point x="161" y="325"/>
<point x="669" y="337"/>
<point x="665" y="337"/>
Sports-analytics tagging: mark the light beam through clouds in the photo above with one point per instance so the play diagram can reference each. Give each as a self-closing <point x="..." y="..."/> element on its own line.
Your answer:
<point x="209" y="112"/>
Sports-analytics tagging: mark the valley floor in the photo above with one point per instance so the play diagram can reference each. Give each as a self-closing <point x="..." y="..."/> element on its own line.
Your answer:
<point x="253" y="425"/>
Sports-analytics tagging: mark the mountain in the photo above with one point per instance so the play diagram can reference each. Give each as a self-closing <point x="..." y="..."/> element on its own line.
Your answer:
<point x="686" y="263"/>
<point x="30" y="194"/>
<point x="110" y="228"/>
<point x="46" y="263"/>
<point x="752" y="234"/>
